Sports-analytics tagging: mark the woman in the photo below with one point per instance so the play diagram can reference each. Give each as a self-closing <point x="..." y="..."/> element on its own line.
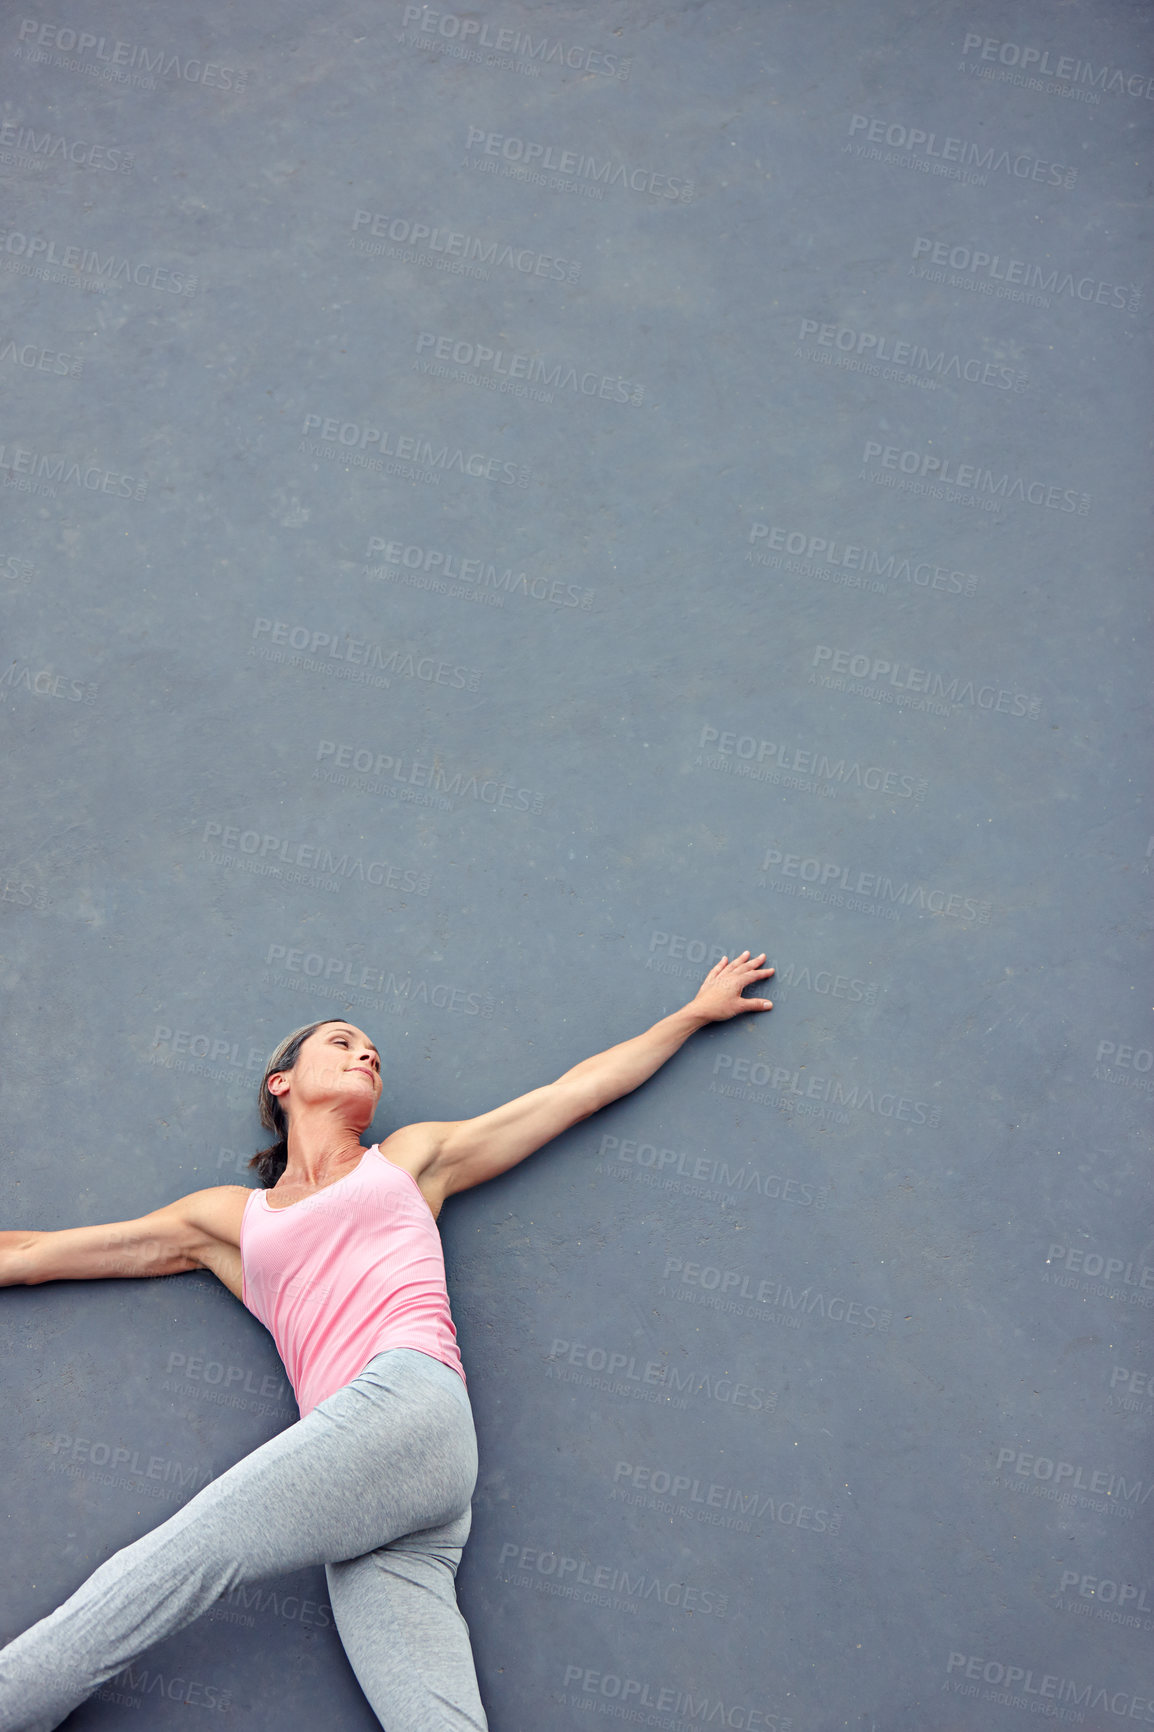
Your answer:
<point x="339" y="1256"/>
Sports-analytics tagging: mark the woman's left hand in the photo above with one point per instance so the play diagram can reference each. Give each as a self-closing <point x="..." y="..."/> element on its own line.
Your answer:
<point x="719" y="996"/>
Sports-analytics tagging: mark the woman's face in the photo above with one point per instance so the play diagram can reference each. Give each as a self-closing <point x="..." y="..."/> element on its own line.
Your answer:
<point x="337" y="1065"/>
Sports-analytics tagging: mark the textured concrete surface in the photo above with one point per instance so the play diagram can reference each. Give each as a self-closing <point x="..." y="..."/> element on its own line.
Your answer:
<point x="501" y="506"/>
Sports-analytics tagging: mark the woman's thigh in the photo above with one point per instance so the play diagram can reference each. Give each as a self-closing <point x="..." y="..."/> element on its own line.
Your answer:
<point x="391" y="1452"/>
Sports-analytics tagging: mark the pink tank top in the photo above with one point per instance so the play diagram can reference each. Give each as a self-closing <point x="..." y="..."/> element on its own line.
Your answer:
<point x="342" y="1275"/>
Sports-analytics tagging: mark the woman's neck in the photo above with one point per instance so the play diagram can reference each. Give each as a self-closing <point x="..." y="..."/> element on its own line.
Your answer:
<point x="319" y="1149"/>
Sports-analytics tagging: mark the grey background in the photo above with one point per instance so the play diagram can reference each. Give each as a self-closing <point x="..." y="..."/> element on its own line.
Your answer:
<point x="958" y="1251"/>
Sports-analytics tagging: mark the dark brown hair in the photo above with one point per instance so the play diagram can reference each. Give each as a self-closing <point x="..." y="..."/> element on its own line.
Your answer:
<point x="270" y="1163"/>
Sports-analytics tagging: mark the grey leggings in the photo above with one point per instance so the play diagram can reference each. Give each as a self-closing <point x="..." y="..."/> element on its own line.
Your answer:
<point x="375" y="1484"/>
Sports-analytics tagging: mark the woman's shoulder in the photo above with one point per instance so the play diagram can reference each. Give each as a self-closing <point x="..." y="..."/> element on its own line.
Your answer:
<point x="412" y="1148"/>
<point x="217" y="1211"/>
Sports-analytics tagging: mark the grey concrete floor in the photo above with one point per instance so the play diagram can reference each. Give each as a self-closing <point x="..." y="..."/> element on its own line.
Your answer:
<point x="500" y="507"/>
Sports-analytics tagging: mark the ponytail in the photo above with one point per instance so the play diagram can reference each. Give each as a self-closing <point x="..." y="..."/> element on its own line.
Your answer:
<point x="268" y="1164"/>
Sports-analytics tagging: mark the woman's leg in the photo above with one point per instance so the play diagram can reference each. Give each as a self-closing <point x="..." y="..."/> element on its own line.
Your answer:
<point x="390" y="1454"/>
<point x="396" y="1611"/>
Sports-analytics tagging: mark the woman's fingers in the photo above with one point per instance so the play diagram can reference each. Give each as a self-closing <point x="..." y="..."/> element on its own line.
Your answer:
<point x="743" y="969"/>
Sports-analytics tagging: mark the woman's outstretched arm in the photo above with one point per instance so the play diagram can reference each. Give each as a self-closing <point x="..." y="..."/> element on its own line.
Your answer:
<point x="200" y="1231"/>
<point x="454" y="1156"/>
